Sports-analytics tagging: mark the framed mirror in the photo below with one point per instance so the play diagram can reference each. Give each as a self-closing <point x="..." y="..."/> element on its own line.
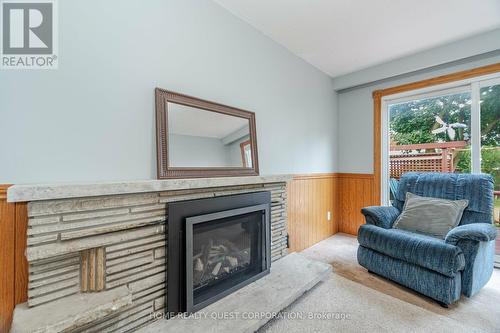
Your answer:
<point x="198" y="138"/>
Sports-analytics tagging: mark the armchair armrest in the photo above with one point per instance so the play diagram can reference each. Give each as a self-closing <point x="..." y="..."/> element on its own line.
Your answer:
<point x="476" y="240"/>
<point x="381" y="216"/>
<point x="480" y="232"/>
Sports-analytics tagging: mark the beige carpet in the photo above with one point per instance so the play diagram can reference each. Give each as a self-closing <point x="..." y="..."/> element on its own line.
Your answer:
<point x="352" y="300"/>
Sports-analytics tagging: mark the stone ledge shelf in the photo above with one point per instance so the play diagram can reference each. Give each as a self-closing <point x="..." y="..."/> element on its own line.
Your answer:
<point x="25" y="193"/>
<point x="69" y="313"/>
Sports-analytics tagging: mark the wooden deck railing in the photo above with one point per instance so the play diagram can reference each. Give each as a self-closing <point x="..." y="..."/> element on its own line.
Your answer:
<point x="423" y="157"/>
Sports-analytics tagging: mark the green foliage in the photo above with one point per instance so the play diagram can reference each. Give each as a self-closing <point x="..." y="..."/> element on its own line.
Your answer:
<point x="490" y="116"/>
<point x="490" y="162"/>
<point x="463" y="161"/>
<point x="412" y="122"/>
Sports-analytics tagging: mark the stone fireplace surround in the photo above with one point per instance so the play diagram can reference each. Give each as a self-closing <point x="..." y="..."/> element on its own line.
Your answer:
<point x="96" y="252"/>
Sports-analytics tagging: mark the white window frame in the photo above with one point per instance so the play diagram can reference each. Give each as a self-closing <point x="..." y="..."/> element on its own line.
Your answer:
<point x="472" y="85"/>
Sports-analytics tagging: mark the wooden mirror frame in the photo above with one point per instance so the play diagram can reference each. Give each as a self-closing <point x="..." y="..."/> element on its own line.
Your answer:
<point x="164" y="171"/>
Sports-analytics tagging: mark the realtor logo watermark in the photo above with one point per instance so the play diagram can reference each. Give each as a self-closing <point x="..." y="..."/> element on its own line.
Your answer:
<point x="29" y="34"/>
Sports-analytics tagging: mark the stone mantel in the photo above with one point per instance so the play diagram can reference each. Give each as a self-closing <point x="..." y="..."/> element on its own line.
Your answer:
<point x="26" y="193"/>
<point x="85" y="241"/>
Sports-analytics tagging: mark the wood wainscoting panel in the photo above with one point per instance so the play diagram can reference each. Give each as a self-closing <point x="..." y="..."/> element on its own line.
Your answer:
<point x="310" y="198"/>
<point x="13" y="264"/>
<point x="7" y="245"/>
<point x="20" y="261"/>
<point x="355" y="191"/>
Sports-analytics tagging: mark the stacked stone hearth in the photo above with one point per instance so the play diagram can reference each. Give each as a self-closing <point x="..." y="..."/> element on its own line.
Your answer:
<point x="98" y="263"/>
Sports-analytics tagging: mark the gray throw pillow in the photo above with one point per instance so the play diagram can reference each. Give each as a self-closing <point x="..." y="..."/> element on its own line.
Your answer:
<point x="431" y="216"/>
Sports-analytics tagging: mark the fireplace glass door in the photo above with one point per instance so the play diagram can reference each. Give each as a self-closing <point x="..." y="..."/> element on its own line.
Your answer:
<point x="224" y="251"/>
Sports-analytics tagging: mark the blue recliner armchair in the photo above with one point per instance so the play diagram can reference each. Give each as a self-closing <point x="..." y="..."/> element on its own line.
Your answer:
<point x="441" y="269"/>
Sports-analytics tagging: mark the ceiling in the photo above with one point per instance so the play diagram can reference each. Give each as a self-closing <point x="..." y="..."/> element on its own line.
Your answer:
<point x="185" y="120"/>
<point x="343" y="36"/>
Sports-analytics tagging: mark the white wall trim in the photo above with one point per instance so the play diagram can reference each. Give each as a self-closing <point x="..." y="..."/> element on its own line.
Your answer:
<point x="474" y="48"/>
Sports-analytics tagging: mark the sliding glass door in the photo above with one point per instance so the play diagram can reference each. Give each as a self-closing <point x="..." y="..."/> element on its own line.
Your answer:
<point x="490" y="135"/>
<point x="452" y="128"/>
<point x="489" y="106"/>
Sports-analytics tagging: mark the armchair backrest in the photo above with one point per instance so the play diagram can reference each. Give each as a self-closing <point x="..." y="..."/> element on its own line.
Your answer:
<point x="477" y="188"/>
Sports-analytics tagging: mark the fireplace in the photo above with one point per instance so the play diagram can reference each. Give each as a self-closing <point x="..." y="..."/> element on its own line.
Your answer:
<point x="216" y="246"/>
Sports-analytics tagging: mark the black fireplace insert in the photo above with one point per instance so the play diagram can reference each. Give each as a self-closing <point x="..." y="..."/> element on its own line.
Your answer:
<point x="216" y="246"/>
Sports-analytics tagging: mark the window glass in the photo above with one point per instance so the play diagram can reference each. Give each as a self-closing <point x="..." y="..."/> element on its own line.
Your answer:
<point x="431" y="134"/>
<point x="490" y="139"/>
